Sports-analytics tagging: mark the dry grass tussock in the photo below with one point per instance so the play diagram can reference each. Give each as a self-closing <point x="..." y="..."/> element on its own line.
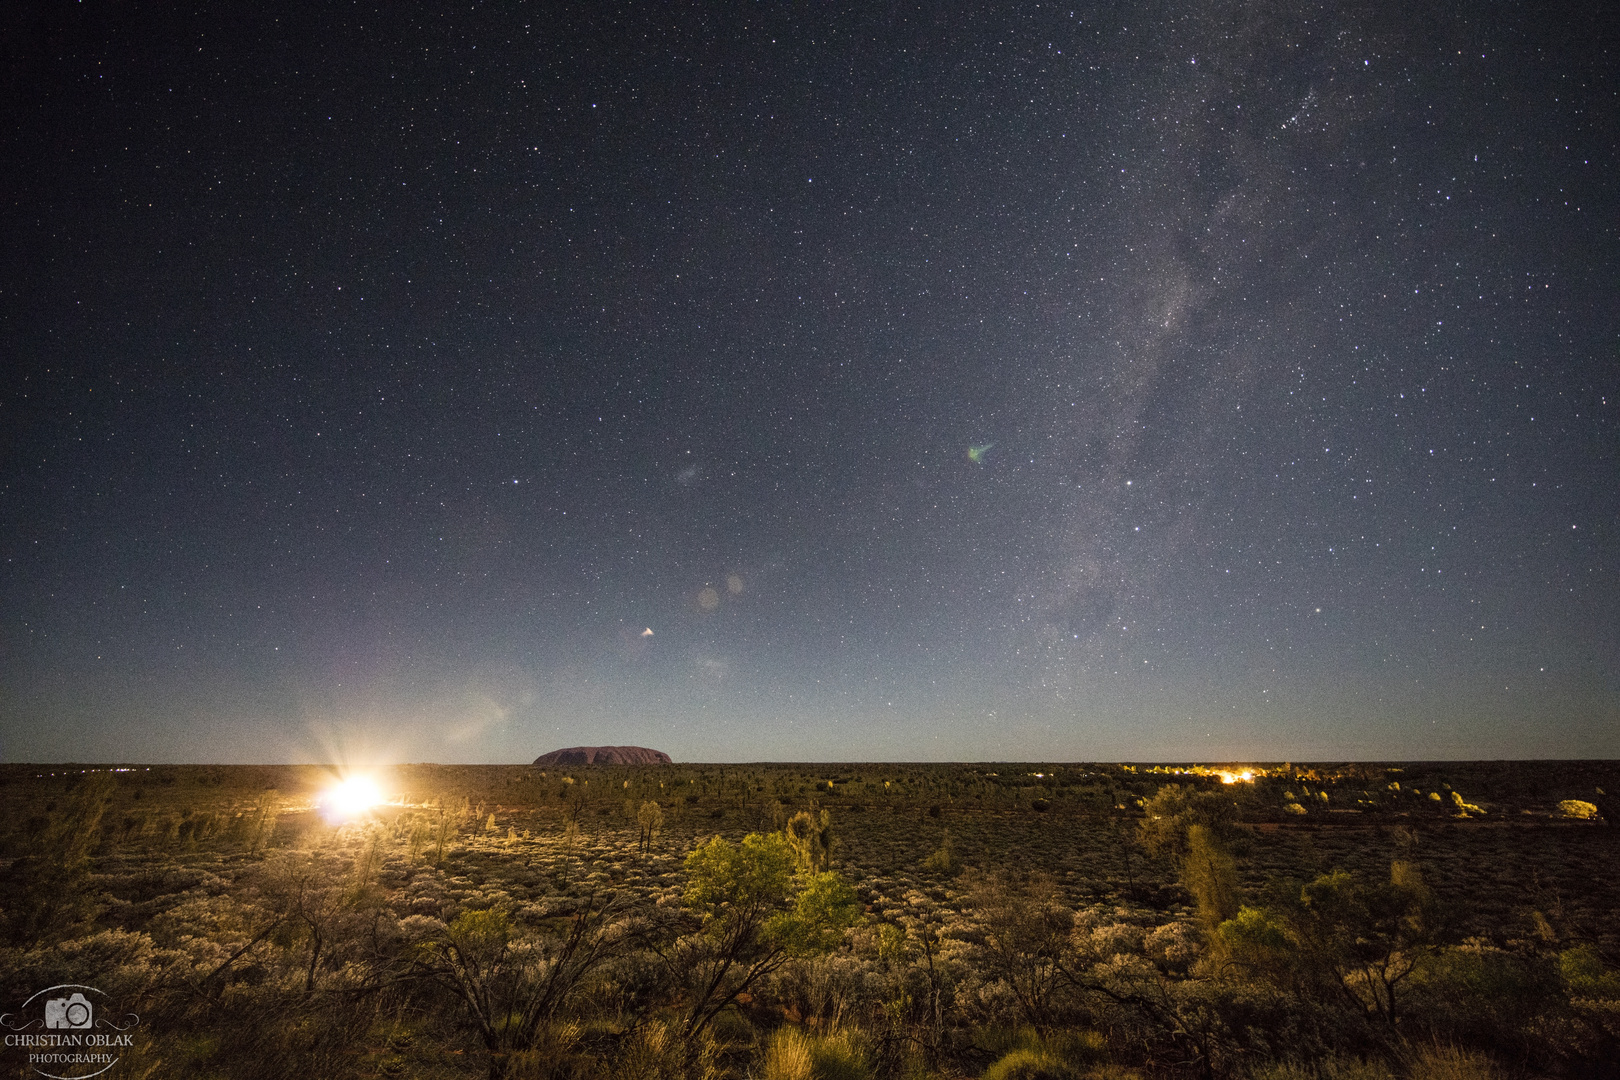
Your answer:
<point x="794" y="1054"/>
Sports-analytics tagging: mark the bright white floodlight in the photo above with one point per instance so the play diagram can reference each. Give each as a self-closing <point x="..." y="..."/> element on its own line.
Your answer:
<point x="351" y="797"/>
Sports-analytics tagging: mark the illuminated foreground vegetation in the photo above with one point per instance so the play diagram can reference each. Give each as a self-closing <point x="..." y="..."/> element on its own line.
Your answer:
<point x="799" y="922"/>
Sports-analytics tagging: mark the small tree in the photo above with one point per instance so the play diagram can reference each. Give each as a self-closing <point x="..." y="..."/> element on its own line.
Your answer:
<point x="512" y="983"/>
<point x="1027" y="930"/>
<point x="1210" y="874"/>
<point x="1173" y="809"/>
<point x="317" y="906"/>
<point x="1370" y="936"/>
<point x="262" y="825"/>
<point x="812" y="838"/>
<point x="651" y="819"/>
<point x="1193" y="829"/>
<point x="1344" y="940"/>
<point x="570" y="844"/>
<point x="442" y="836"/>
<point x="754" y="915"/>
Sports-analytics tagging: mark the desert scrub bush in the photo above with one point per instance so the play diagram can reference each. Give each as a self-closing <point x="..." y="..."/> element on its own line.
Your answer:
<point x="555" y="1055"/>
<point x="732" y="1030"/>
<point x="128" y="966"/>
<point x="1173" y="946"/>
<point x="291" y="1035"/>
<point x="1025" y="1053"/>
<point x="943" y="859"/>
<point x="46" y="895"/>
<point x="1078" y="1048"/>
<point x="1323" y="1068"/>
<point x="512" y="983"/>
<point x="1026" y="937"/>
<point x="823" y="990"/>
<point x="1443" y="1061"/>
<point x="1488" y="998"/>
<point x="1586" y="977"/>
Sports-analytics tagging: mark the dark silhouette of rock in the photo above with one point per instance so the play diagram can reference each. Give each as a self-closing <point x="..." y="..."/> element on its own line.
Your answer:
<point x="604" y="755"/>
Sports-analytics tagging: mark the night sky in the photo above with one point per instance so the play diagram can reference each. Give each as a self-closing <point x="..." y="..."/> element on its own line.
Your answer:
<point x="377" y="378"/>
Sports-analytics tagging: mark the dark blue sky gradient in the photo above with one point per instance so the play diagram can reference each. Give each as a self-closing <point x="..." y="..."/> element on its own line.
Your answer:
<point x="376" y="379"/>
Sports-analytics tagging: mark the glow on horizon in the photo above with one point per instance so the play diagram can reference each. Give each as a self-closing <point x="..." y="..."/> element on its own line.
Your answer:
<point x="1227" y="776"/>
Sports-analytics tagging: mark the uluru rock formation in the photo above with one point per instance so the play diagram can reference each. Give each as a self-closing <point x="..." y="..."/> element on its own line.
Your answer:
<point x="604" y="755"/>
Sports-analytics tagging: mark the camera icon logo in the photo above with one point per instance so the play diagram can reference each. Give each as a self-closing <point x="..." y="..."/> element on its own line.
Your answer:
<point x="68" y="1012"/>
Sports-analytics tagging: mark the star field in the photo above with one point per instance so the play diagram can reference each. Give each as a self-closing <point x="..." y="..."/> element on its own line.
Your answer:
<point x="379" y="375"/>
